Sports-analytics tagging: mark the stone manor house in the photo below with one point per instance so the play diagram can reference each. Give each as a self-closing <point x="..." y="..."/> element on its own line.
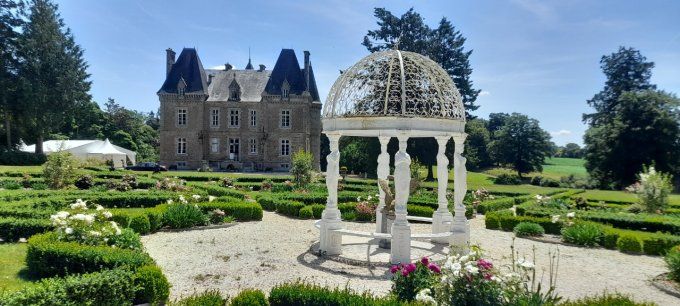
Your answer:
<point x="233" y="119"/>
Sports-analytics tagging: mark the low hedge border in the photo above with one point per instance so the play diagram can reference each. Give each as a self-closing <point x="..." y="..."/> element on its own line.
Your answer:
<point x="299" y="293"/>
<point x="241" y="211"/>
<point x="13" y="229"/>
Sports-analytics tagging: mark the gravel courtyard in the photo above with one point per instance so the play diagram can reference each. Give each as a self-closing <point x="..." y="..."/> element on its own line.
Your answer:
<point x="274" y="250"/>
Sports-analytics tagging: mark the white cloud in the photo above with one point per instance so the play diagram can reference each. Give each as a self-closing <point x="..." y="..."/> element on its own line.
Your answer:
<point x="561" y="133"/>
<point x="484" y="93"/>
<point x="218" y="67"/>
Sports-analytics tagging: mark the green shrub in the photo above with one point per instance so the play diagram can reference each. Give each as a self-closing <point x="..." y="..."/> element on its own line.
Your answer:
<point x="48" y="257"/>
<point x="672" y="260"/>
<point x="267" y="203"/>
<point x="140" y="224"/>
<point x="12" y="229"/>
<point x="492" y="220"/>
<point x="306" y="212"/>
<point x="524" y="229"/>
<point x="184" y="216"/>
<point x="127" y="239"/>
<point x="605" y="299"/>
<point x="12" y="185"/>
<point x="348" y="216"/>
<point x="583" y="233"/>
<point x="289" y="208"/>
<point x="20" y="158"/>
<point x="507" y="179"/>
<point x="609" y="238"/>
<point x="108" y="287"/>
<point x="653" y="189"/>
<point x="39" y="186"/>
<point x="207" y="298"/>
<point x="420" y="211"/>
<point x="299" y="294"/>
<point x="249" y="297"/>
<point x="241" y="211"/>
<point x="152" y="286"/>
<point x="657" y="245"/>
<point x="84" y="182"/>
<point x="548" y="182"/>
<point x="302" y="167"/>
<point x="60" y="169"/>
<point x="317" y="210"/>
<point x="629" y="243"/>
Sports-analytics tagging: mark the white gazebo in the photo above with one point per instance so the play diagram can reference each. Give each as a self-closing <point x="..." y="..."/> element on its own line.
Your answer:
<point x="404" y="95"/>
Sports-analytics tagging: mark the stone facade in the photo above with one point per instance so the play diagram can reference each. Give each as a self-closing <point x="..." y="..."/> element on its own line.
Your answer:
<point x="238" y="119"/>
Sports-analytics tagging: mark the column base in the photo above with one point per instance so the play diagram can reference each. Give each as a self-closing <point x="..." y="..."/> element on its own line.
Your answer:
<point x="330" y="242"/>
<point x="401" y="243"/>
<point x="442" y="222"/>
<point x="460" y="241"/>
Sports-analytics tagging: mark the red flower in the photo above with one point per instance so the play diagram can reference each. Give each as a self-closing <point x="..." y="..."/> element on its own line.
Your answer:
<point x="404" y="272"/>
<point x="410" y="267"/>
<point x="394" y="269"/>
<point x="484" y="264"/>
<point x="425" y="261"/>
<point x="434" y="268"/>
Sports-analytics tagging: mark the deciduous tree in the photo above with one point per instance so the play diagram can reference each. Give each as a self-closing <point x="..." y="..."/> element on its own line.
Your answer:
<point x="521" y="144"/>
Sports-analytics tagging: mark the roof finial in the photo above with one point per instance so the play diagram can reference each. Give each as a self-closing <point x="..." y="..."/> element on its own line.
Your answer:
<point x="250" y="65"/>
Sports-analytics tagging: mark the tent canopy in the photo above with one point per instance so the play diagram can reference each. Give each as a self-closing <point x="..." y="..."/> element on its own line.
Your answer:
<point x="102" y="149"/>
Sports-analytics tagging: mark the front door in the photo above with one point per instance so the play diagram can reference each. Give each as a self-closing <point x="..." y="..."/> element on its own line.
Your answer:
<point x="234" y="149"/>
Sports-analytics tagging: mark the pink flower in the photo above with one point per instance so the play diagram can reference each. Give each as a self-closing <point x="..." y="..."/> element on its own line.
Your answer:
<point x="394" y="269"/>
<point x="434" y="268"/>
<point x="425" y="261"/>
<point x="410" y="267"/>
<point x="404" y="272"/>
<point x="484" y="264"/>
<point x="487" y="276"/>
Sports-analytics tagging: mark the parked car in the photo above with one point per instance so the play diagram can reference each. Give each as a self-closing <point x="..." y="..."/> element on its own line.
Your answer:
<point x="147" y="166"/>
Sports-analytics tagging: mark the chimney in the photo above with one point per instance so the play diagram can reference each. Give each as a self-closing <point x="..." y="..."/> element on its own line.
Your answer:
<point x="262" y="68"/>
<point x="307" y="70"/>
<point x="169" y="59"/>
<point x="210" y="78"/>
<point x="228" y="67"/>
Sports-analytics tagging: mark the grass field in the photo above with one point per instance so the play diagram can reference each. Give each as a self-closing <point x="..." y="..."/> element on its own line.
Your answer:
<point x="557" y="167"/>
<point x="12" y="263"/>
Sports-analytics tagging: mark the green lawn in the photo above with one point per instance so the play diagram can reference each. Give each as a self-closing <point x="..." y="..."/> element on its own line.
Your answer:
<point x="12" y="273"/>
<point x="557" y="167"/>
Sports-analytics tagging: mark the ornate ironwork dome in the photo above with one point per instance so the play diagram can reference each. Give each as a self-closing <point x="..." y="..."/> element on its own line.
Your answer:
<point x="394" y="83"/>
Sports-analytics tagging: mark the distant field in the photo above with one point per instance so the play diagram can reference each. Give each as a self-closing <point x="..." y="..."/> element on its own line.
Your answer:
<point x="557" y="167"/>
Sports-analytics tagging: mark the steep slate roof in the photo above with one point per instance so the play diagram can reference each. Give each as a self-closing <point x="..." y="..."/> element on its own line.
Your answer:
<point x="312" y="84"/>
<point x="252" y="83"/>
<point x="188" y="67"/>
<point x="286" y="68"/>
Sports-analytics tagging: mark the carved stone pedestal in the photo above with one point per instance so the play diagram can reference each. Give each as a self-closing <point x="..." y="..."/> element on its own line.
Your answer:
<point x="401" y="243"/>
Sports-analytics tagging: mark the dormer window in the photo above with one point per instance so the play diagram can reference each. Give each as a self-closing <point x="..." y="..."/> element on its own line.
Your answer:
<point x="181" y="86"/>
<point x="285" y="89"/>
<point x="234" y="90"/>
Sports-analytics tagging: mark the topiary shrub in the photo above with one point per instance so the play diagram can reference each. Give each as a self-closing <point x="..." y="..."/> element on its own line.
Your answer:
<point x="672" y="260"/>
<point x="528" y="229"/>
<point x="306" y="212"/>
<point x="152" y="286"/>
<point x="289" y="208"/>
<point x="629" y="243"/>
<point x="317" y="210"/>
<point x="250" y="297"/>
<point x="184" y="216"/>
<point x="609" y="238"/>
<point x="84" y="182"/>
<point x="309" y="294"/>
<point x="507" y="179"/>
<point x="583" y="233"/>
<point x="140" y="224"/>
<point x="492" y="221"/>
<point x="207" y="298"/>
<point x="606" y="299"/>
<point x="267" y="203"/>
<point x="241" y="211"/>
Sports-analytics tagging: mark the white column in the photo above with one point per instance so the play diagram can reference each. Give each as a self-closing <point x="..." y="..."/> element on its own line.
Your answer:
<point x="383" y="172"/>
<point x="401" y="230"/>
<point x="461" y="226"/>
<point x="331" y="242"/>
<point x="442" y="219"/>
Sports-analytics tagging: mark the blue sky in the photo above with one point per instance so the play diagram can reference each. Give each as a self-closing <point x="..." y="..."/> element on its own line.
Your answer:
<point x="540" y="58"/>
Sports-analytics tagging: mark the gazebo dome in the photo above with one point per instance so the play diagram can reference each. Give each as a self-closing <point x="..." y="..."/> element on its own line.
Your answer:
<point x="394" y="90"/>
<point x="396" y="84"/>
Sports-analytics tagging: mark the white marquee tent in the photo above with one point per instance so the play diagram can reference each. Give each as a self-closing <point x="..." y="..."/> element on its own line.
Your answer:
<point x="84" y="149"/>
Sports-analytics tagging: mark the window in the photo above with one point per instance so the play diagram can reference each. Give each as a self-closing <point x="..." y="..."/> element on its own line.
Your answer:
<point x="214" y="145"/>
<point x="181" y="146"/>
<point x="285" y="92"/>
<point x="234" y="148"/>
<point x="284" y="166"/>
<point x="233" y="118"/>
<point x="285" y="147"/>
<point x="253" y="117"/>
<point x="180" y="90"/>
<point x="252" y="142"/>
<point x="234" y="94"/>
<point x="181" y="116"/>
<point x="215" y="117"/>
<point x="285" y="118"/>
<point x="181" y="165"/>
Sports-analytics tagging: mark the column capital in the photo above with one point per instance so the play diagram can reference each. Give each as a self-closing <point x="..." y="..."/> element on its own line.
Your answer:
<point x="384" y="139"/>
<point x="459" y="137"/>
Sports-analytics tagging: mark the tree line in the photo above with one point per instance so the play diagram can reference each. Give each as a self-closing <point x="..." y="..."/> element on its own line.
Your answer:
<point x="44" y="86"/>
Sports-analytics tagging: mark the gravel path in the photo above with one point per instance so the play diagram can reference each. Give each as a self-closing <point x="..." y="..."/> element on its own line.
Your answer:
<point x="263" y="254"/>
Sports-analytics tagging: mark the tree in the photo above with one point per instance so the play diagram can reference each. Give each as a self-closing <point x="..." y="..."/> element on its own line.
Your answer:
<point x="571" y="150"/>
<point x="302" y="168"/>
<point x="476" y="144"/>
<point x="496" y="121"/>
<point x="521" y="144"/>
<point x="53" y="73"/>
<point x="645" y="130"/>
<point x="10" y="20"/>
<point x="626" y="70"/>
<point x="444" y="45"/>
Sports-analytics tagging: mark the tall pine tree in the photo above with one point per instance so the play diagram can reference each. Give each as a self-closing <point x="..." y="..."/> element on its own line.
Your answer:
<point x="10" y="20"/>
<point x="54" y="76"/>
<point x="444" y="45"/>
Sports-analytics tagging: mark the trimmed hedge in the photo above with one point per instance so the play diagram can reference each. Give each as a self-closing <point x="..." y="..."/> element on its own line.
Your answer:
<point x="499" y="204"/>
<point x="20" y="158"/>
<point x="218" y="191"/>
<point x="241" y="211"/>
<point x="291" y="209"/>
<point x="302" y="294"/>
<point x="152" y="286"/>
<point x="249" y="297"/>
<point x="108" y="287"/>
<point x="48" y="257"/>
<point x="12" y="229"/>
